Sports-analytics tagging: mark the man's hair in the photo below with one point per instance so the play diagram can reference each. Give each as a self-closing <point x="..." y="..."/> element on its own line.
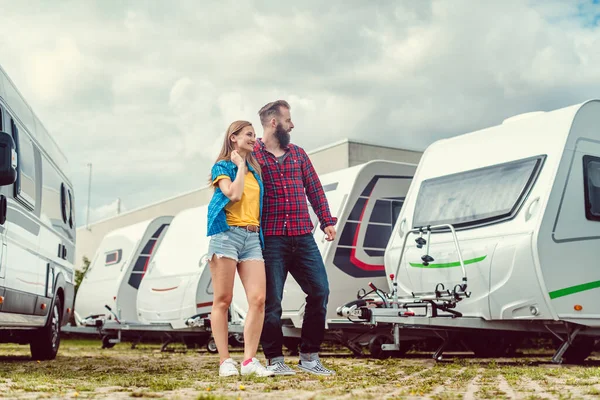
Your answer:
<point x="272" y="109"/>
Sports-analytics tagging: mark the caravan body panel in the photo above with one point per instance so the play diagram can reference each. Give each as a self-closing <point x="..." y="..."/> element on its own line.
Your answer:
<point x="177" y="285"/>
<point x="111" y="268"/>
<point x="137" y="267"/>
<point x="568" y="240"/>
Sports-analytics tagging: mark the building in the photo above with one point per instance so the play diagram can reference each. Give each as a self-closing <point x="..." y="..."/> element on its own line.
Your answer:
<point x="339" y="155"/>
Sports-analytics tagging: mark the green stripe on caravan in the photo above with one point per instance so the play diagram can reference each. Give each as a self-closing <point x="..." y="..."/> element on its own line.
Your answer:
<point x="574" y="289"/>
<point x="448" y="265"/>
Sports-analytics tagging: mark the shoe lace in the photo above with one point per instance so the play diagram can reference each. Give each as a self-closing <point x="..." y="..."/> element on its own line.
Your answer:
<point x="281" y="366"/>
<point x="319" y="367"/>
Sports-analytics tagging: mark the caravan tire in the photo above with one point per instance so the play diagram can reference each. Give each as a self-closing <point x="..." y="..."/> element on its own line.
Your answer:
<point x="106" y="344"/>
<point x="46" y="341"/>
<point x="211" y="346"/>
<point x="375" y="344"/>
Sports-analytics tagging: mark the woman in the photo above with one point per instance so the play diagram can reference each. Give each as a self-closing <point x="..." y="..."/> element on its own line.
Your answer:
<point x="236" y="241"/>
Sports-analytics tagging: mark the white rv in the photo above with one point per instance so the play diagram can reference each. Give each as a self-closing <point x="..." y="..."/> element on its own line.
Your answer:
<point x="366" y="199"/>
<point x="117" y="271"/>
<point x="37" y="229"/>
<point x="500" y="231"/>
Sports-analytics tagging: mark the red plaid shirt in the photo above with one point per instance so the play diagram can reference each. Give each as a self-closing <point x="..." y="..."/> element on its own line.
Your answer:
<point x="287" y="186"/>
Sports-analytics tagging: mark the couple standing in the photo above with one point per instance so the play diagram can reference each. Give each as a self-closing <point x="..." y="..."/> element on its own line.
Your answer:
<point x="259" y="225"/>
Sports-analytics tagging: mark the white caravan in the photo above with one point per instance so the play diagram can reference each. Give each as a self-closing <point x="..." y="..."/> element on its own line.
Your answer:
<point x="116" y="272"/>
<point x="178" y="283"/>
<point x="37" y="229"/>
<point x="366" y="199"/>
<point x="510" y="221"/>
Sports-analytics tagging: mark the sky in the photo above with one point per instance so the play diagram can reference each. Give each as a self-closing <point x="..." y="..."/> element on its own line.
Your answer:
<point x="144" y="90"/>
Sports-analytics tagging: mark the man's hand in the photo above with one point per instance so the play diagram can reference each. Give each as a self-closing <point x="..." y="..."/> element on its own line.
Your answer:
<point x="330" y="233"/>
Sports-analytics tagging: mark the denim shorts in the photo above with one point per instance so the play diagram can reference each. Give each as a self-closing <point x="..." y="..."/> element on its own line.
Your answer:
<point x="236" y="243"/>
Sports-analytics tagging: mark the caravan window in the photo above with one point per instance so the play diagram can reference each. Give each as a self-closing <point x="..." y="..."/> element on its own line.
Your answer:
<point x="591" y="176"/>
<point x="478" y="196"/>
<point x="27" y="169"/>
<point x="113" y="257"/>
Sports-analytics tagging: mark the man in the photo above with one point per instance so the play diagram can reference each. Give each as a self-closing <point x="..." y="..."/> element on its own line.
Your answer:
<point x="289" y="178"/>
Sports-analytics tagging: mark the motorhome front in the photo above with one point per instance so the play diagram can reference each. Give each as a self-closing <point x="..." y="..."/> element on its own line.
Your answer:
<point x="37" y="229"/>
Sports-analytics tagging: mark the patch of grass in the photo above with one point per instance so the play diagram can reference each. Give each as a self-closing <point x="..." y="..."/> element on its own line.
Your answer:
<point x="593" y="392"/>
<point x="148" y="373"/>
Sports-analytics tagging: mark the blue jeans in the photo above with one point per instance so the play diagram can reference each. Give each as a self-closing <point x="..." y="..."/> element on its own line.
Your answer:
<point x="300" y="256"/>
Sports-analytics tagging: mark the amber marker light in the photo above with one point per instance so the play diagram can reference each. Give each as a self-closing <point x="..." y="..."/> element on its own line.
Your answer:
<point x="1" y="299"/>
<point x="43" y="306"/>
<point x="578" y="307"/>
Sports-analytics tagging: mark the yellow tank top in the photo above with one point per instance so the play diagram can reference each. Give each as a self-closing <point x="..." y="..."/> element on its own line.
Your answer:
<point x="247" y="210"/>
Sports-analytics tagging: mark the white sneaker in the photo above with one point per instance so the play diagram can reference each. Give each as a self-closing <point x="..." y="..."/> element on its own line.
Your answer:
<point x="254" y="367"/>
<point x="228" y="368"/>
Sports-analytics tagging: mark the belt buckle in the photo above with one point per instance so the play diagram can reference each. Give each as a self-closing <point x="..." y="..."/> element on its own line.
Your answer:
<point x="251" y="228"/>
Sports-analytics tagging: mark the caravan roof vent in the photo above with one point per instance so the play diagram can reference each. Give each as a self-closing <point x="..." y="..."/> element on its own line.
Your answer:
<point x="522" y="116"/>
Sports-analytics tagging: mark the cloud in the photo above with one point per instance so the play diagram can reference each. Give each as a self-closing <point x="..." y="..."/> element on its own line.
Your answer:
<point x="145" y="90"/>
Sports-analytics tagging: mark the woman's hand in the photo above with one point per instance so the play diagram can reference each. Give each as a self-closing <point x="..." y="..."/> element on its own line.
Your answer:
<point x="237" y="159"/>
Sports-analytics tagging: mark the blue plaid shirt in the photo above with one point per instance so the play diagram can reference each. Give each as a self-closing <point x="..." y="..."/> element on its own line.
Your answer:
<point x="217" y="221"/>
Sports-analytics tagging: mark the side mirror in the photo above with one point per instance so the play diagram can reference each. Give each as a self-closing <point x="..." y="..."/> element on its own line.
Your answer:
<point x="8" y="160"/>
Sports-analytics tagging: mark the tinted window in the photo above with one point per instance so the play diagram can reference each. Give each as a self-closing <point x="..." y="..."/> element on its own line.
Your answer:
<point x="382" y="212"/>
<point x="52" y="193"/>
<point x="591" y="172"/>
<point x="113" y="257"/>
<point x="476" y="196"/>
<point x="70" y="209"/>
<point x="27" y="168"/>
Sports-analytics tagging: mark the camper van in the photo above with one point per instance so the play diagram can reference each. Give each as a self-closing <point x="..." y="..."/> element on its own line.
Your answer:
<point x="366" y="199"/>
<point x="499" y="234"/>
<point x="37" y="229"/>
<point x="117" y="271"/>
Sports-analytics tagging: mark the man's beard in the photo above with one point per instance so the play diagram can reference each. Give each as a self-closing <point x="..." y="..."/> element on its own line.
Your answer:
<point x="282" y="136"/>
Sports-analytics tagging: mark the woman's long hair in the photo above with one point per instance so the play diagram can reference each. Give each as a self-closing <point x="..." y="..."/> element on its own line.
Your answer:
<point x="234" y="129"/>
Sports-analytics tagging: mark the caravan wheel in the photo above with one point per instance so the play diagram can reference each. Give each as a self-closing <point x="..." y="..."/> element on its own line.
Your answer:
<point x="375" y="346"/>
<point x="211" y="346"/>
<point x="106" y="344"/>
<point x="377" y="341"/>
<point x="46" y="341"/>
<point x="236" y="340"/>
